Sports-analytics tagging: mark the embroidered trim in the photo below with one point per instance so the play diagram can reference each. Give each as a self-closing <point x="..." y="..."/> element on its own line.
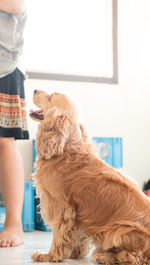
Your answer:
<point x="12" y="111"/>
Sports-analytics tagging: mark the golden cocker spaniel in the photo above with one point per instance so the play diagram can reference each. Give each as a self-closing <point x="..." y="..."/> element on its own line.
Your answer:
<point x="86" y="201"/>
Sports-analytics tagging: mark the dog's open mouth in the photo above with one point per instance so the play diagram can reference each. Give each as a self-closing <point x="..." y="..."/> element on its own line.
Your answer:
<point x="38" y="114"/>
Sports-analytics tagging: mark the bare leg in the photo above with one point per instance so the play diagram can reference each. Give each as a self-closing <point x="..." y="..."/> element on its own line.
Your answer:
<point x="12" y="187"/>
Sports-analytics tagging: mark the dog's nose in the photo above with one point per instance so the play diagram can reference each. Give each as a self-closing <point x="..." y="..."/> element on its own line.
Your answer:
<point x="35" y="91"/>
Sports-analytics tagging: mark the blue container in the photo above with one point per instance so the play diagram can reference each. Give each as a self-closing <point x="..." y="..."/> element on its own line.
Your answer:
<point x="28" y="207"/>
<point x="110" y="150"/>
<point x="28" y="221"/>
<point x="2" y="217"/>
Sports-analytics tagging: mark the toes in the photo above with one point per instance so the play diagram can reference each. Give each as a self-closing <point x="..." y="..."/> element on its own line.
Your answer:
<point x="16" y="243"/>
<point x="7" y="243"/>
<point x="3" y="243"/>
<point x="13" y="243"/>
<point x="11" y="236"/>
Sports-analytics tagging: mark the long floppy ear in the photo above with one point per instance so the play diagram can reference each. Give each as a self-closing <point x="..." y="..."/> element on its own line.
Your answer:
<point x="83" y="134"/>
<point x="53" y="133"/>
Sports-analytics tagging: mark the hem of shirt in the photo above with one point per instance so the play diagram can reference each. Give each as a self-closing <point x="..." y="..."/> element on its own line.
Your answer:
<point x="12" y="70"/>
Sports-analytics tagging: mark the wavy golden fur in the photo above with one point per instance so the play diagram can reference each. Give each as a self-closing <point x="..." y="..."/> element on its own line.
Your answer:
<point x="82" y="198"/>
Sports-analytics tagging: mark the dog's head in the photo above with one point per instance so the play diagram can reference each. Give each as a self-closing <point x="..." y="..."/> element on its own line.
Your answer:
<point x="59" y="124"/>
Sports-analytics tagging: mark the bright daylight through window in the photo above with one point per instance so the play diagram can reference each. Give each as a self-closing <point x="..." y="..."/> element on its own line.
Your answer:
<point x="70" y="38"/>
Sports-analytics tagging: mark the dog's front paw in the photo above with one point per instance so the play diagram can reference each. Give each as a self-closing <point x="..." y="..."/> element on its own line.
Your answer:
<point x="39" y="257"/>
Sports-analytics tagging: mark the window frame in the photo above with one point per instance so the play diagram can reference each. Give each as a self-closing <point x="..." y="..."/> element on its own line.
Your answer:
<point x="91" y="79"/>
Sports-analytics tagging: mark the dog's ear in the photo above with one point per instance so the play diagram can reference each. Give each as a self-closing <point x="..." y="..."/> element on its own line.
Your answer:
<point x="53" y="133"/>
<point x="83" y="133"/>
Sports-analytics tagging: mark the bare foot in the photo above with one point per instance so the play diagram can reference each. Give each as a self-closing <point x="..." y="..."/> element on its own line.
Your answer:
<point x="11" y="236"/>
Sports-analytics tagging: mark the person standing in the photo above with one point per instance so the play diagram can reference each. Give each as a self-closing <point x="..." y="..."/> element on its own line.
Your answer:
<point x="13" y="120"/>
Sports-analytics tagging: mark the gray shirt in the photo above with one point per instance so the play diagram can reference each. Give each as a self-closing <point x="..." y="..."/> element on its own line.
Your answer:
<point x="11" y="42"/>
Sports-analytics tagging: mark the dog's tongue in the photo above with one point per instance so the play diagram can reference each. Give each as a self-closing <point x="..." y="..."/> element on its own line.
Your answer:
<point x="37" y="113"/>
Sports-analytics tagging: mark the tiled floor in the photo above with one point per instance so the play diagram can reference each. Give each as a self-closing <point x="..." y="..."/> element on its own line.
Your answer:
<point x="34" y="241"/>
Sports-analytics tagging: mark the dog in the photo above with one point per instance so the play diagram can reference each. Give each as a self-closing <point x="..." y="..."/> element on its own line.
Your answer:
<point x="84" y="200"/>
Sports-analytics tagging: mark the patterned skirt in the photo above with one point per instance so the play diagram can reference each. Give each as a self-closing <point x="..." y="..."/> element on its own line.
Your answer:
<point x="13" y="120"/>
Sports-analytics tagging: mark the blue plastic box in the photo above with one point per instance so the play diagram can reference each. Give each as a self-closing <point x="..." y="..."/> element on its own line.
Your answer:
<point x="28" y="211"/>
<point x="110" y="150"/>
<point x="2" y="217"/>
<point x="28" y="221"/>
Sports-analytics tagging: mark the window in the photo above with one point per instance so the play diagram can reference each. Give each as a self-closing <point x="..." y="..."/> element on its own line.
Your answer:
<point x="72" y="40"/>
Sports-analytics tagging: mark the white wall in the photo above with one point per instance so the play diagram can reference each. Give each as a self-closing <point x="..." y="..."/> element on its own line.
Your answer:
<point x="116" y="110"/>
